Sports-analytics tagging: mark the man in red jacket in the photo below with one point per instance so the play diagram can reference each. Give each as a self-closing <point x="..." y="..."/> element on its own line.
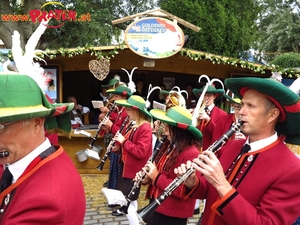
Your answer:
<point x="40" y="184"/>
<point x="210" y="115"/>
<point x="255" y="181"/>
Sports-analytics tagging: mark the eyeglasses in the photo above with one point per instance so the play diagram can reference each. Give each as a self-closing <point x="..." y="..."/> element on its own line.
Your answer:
<point x="3" y="126"/>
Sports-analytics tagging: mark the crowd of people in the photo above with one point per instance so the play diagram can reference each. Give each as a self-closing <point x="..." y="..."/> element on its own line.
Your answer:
<point x="250" y="177"/>
<point x="227" y="180"/>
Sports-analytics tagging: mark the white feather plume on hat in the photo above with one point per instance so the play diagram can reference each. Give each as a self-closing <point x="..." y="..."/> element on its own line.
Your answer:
<point x="25" y="62"/>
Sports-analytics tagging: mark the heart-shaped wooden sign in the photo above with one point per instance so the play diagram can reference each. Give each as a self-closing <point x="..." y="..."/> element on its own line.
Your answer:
<point x="99" y="68"/>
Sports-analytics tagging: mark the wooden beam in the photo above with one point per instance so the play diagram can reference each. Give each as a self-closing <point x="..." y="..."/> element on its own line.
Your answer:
<point x="158" y="12"/>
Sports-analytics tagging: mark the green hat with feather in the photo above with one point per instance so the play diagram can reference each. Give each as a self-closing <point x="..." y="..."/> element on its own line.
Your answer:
<point x="135" y="102"/>
<point x="120" y="90"/>
<point x="177" y="116"/>
<point x="211" y="89"/>
<point x="21" y="98"/>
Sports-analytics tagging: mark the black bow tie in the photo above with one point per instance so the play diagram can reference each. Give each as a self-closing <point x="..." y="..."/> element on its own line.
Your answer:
<point x="5" y="180"/>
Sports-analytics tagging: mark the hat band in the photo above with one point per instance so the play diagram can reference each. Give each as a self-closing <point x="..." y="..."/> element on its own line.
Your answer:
<point x="60" y="110"/>
<point x="182" y="125"/>
<point x="293" y="108"/>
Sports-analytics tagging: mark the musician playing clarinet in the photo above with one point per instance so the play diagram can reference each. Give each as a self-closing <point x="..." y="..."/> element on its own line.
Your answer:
<point x="184" y="145"/>
<point x="209" y="117"/>
<point x="112" y="125"/>
<point x="136" y="148"/>
<point x="256" y="180"/>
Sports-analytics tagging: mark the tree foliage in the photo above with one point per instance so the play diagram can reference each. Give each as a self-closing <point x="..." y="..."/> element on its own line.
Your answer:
<point x="279" y="28"/>
<point x="227" y="26"/>
<point x="25" y="28"/>
<point x="288" y="60"/>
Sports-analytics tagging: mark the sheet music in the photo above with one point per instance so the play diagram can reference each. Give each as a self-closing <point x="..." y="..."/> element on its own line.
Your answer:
<point x="97" y="104"/>
<point x="92" y="154"/>
<point x="114" y="197"/>
<point x="157" y="105"/>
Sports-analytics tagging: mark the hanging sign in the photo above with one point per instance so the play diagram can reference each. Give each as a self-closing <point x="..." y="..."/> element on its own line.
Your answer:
<point x="154" y="37"/>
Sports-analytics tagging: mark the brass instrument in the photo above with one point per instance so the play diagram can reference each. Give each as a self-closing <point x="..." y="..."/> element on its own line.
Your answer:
<point x="148" y="210"/>
<point x="110" y="101"/>
<point x="175" y="99"/>
<point x="200" y="112"/>
<point x="137" y="183"/>
<point x="111" y="145"/>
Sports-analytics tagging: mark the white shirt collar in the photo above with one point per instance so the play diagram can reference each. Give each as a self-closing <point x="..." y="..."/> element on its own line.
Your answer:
<point x="19" y="167"/>
<point x="211" y="107"/>
<point x="257" y="145"/>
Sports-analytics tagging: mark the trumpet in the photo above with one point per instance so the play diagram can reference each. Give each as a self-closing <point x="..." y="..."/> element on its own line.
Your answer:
<point x="137" y="183"/>
<point x="110" y="101"/>
<point x="145" y="214"/>
<point x="201" y="110"/>
<point x="175" y="99"/>
<point x="111" y="145"/>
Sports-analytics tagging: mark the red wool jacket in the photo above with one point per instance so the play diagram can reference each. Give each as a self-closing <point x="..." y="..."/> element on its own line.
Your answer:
<point x="53" y="195"/>
<point x="208" y="129"/>
<point x="137" y="150"/>
<point x="265" y="188"/>
<point x="175" y="205"/>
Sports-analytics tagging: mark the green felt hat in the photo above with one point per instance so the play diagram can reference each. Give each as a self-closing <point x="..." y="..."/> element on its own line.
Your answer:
<point x="211" y="89"/>
<point x="232" y="100"/>
<point x="111" y="83"/>
<point x="177" y="116"/>
<point x="135" y="102"/>
<point x="285" y="99"/>
<point x="120" y="90"/>
<point x="21" y="98"/>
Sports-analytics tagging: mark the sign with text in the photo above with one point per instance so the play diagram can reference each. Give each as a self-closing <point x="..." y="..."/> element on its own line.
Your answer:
<point x="154" y="37"/>
<point x="56" y="12"/>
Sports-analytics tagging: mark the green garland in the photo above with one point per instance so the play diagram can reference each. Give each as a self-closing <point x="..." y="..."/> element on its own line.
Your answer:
<point x="192" y="54"/>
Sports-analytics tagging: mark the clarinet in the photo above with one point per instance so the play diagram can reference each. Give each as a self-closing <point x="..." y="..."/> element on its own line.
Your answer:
<point x="4" y="154"/>
<point x="148" y="210"/>
<point x="112" y="144"/>
<point x="137" y="183"/>
<point x="91" y="144"/>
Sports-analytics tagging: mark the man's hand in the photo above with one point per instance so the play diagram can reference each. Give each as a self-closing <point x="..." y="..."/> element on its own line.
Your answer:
<point x="203" y="116"/>
<point x="103" y="109"/>
<point x="209" y="165"/>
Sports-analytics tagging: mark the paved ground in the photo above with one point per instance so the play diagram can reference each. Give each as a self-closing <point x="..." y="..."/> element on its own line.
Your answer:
<point x="97" y="211"/>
